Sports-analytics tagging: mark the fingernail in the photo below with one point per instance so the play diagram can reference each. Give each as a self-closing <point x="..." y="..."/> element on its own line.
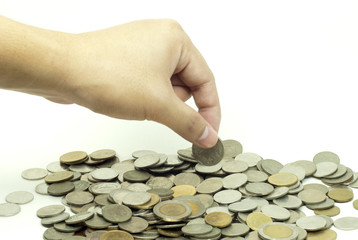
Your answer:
<point x="208" y="138"/>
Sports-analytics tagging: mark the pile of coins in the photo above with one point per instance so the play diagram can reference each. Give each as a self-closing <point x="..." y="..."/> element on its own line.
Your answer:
<point x="217" y="193"/>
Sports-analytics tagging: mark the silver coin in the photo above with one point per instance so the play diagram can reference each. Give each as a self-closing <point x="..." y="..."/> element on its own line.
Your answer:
<point x="52" y="234"/>
<point x="210" y="185"/>
<point x="19" y="197"/>
<point x="42" y="188"/>
<point x="116" y="213"/>
<point x="141" y="153"/>
<point x="196" y="229"/>
<point x="219" y="209"/>
<point x="312" y="223"/>
<point x="136" y="198"/>
<point x="209" y="156"/>
<point x="232" y="148"/>
<point x="235" y="230"/>
<point x="123" y="167"/>
<point x="227" y="196"/>
<point x="79" y="218"/>
<point x="329" y="221"/>
<point x="103" y="188"/>
<point x="260" y="201"/>
<point x="346" y="223"/>
<point x="173" y="160"/>
<point x="278" y="192"/>
<point x="187" y="179"/>
<point x="326" y="156"/>
<point x="309" y="166"/>
<point x="146" y="161"/>
<point x="276" y="212"/>
<point x="263" y="234"/>
<point x="103" y="154"/>
<point x="63" y="227"/>
<point x="104" y="174"/>
<point x="289" y="202"/>
<point x="56" y="219"/>
<point x="271" y="166"/>
<point x="81" y="168"/>
<point x="34" y="173"/>
<point x="234" y="181"/>
<point x="256" y="176"/>
<point x="9" y="209"/>
<point x="259" y="188"/>
<point x="207" y="169"/>
<point x="245" y="206"/>
<point x="137" y="187"/>
<point x="234" y="166"/>
<point x="79" y="198"/>
<point x="317" y="186"/>
<point x="206" y="199"/>
<point x="328" y="203"/>
<point x="296" y="170"/>
<point x="214" y="234"/>
<point x="134" y="225"/>
<point x="325" y="169"/>
<point x="160" y="182"/>
<point x="50" y="211"/>
<point x="162" y="160"/>
<point x="341" y="170"/>
<point x="56" y="167"/>
<point x="250" y="158"/>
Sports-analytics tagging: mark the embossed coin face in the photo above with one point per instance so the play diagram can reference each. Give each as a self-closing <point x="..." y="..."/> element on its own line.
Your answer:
<point x="116" y="213"/>
<point x="34" y="173"/>
<point x="341" y="195"/>
<point x="116" y="234"/>
<point x="256" y="219"/>
<point x="311" y="223"/>
<point x="327" y="234"/>
<point x="278" y="231"/>
<point x="283" y="179"/>
<point x="74" y="157"/>
<point x="50" y="211"/>
<point x="134" y="225"/>
<point x="59" y="177"/>
<point x="172" y="211"/>
<point x="209" y="156"/>
<point x="218" y="219"/>
<point x="79" y="198"/>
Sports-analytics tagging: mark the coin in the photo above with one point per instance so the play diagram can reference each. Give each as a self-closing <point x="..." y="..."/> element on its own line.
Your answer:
<point x="147" y="161"/>
<point x="327" y="234"/>
<point x="328" y="203"/>
<point x="271" y="166"/>
<point x="59" y="177"/>
<point x="288" y="201"/>
<point x="141" y="153"/>
<point x="312" y="196"/>
<point x="276" y="212"/>
<point x="187" y="178"/>
<point x="210" y="185"/>
<point x="42" y="188"/>
<point x="97" y="222"/>
<point x="59" y="189"/>
<point x="325" y="169"/>
<point x="74" y="157"/>
<point x="103" y="188"/>
<point x="232" y="148"/>
<point x="346" y="223"/>
<point x="50" y="211"/>
<point x="104" y="174"/>
<point x="259" y="188"/>
<point x="51" y="234"/>
<point x="330" y="212"/>
<point x="348" y="176"/>
<point x="341" y="195"/>
<point x="19" y="197"/>
<point x="196" y="229"/>
<point x="116" y="234"/>
<point x="79" y="218"/>
<point x="102" y="200"/>
<point x="63" y="227"/>
<point x="160" y="182"/>
<point x="9" y="209"/>
<point x="355" y="204"/>
<point x="136" y="198"/>
<point x="204" y="169"/>
<point x="209" y="156"/>
<point x="134" y="225"/>
<point x="103" y="154"/>
<point x="283" y="179"/>
<point x="326" y="156"/>
<point x="296" y="170"/>
<point x="234" y="166"/>
<point x="34" y="174"/>
<point x="311" y="223"/>
<point x="227" y="196"/>
<point x="245" y="206"/>
<point x="79" y="198"/>
<point x="56" y="219"/>
<point x="256" y="219"/>
<point x="116" y="213"/>
<point x="310" y="167"/>
<point x="278" y="192"/>
<point x="81" y="168"/>
<point x="180" y="190"/>
<point x="256" y="176"/>
<point x="136" y="176"/>
<point x="56" y="167"/>
<point x="278" y="231"/>
<point x="234" y="181"/>
<point x="317" y="186"/>
<point x="218" y="219"/>
<point x="172" y="211"/>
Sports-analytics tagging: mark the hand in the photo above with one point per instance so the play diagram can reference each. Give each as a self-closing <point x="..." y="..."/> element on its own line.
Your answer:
<point x="146" y="70"/>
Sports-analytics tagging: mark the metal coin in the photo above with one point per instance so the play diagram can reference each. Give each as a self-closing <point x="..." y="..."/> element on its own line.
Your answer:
<point x="234" y="166"/>
<point x="218" y="219"/>
<point x="103" y="154"/>
<point x="317" y="186"/>
<point x="147" y="161"/>
<point x="134" y="225"/>
<point x="56" y="167"/>
<point x="277" y="231"/>
<point x="245" y="206"/>
<point x="278" y="192"/>
<point x="271" y="166"/>
<point x="152" y="202"/>
<point x="296" y="170"/>
<point x="103" y="188"/>
<point x="102" y="200"/>
<point x="341" y="195"/>
<point x="235" y="230"/>
<point x="160" y="182"/>
<point x="187" y="178"/>
<point x="104" y="174"/>
<point x="250" y="158"/>
<point x="209" y="156"/>
<point x="79" y="198"/>
<point x="327" y="234"/>
<point x="346" y="223"/>
<point x="116" y="213"/>
<point x="42" y="188"/>
<point x="163" y="193"/>
<point x="341" y="170"/>
<point x="204" y="169"/>
<point x="136" y="176"/>
<point x="172" y="211"/>
<point x="256" y="176"/>
<point x="326" y="157"/>
<point x="116" y="234"/>
<point x="276" y="212"/>
<point x="330" y="212"/>
<point x="348" y="176"/>
<point x="59" y="189"/>
<point x="232" y="148"/>
<point x="183" y="190"/>
<point x="97" y="222"/>
<point x="259" y="188"/>
<point x="81" y="185"/>
<point x="206" y="199"/>
<point x="136" y="187"/>
<point x="355" y="204"/>
<point x="34" y="174"/>
<point x="289" y="202"/>
<point x="327" y="203"/>
<point x="50" y="211"/>
<point x="325" y="169"/>
<point x="173" y="160"/>
<point x="312" y="196"/>
<point x="136" y="198"/>
<point x="210" y="185"/>
<point x="63" y="227"/>
<point x="256" y="219"/>
<point x="196" y="229"/>
<point x="234" y="181"/>
<point x="309" y="166"/>
<point x="74" y="157"/>
<point x="56" y="219"/>
<point x="9" y="209"/>
<point x="283" y="179"/>
<point x="81" y="168"/>
<point x="311" y="223"/>
<point x="122" y="167"/>
<point x="59" y="177"/>
<point x="141" y="153"/>
<point x="227" y="196"/>
<point x="79" y="218"/>
<point x="52" y="234"/>
<point x="19" y="197"/>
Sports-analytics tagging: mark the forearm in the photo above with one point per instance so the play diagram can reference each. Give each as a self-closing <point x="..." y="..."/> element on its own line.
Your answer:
<point x="32" y="60"/>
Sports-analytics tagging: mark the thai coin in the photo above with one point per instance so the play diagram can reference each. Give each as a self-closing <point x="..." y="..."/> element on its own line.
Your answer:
<point x="209" y="156"/>
<point x="79" y="218"/>
<point x="79" y="198"/>
<point x="278" y="231"/>
<point x="136" y="176"/>
<point x="312" y="196"/>
<point x="271" y="166"/>
<point x="276" y="212"/>
<point x="9" y="209"/>
<point x="42" y="188"/>
<point x="325" y="169"/>
<point x="234" y="181"/>
<point x="227" y="196"/>
<point x="34" y="174"/>
<point x="134" y="225"/>
<point x="172" y="211"/>
<point x="346" y="223"/>
<point x="234" y="166"/>
<point x="59" y="177"/>
<point x="103" y="188"/>
<point x="147" y="161"/>
<point x="103" y="154"/>
<point x="250" y="158"/>
<point x="50" y="211"/>
<point x="59" y="189"/>
<point x="256" y="219"/>
<point x="136" y="198"/>
<point x="311" y="223"/>
<point x="283" y="179"/>
<point x="19" y="197"/>
<point x="116" y="213"/>
<point x="210" y="185"/>
<point x="246" y="206"/>
<point x="56" y="219"/>
<point x="74" y="157"/>
<point x="326" y="156"/>
<point x="289" y="202"/>
<point x="187" y="178"/>
<point x="218" y="219"/>
<point x="104" y="174"/>
<point x="56" y="167"/>
<point x="309" y="166"/>
<point x="196" y="229"/>
<point x="160" y="182"/>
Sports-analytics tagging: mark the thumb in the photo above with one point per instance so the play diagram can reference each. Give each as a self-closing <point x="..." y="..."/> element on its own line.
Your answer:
<point x="189" y="124"/>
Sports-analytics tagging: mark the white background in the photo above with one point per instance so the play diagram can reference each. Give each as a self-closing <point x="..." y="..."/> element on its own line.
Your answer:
<point x="286" y="73"/>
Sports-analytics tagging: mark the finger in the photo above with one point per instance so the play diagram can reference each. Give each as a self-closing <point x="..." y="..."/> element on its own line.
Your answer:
<point x="58" y="100"/>
<point x="188" y="123"/>
<point x="183" y="93"/>
<point x="196" y="74"/>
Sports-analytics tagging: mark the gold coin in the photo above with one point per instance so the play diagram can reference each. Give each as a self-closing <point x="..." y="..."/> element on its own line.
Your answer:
<point x="153" y="201"/>
<point x="218" y="219"/>
<point x="195" y="208"/>
<point x="75" y="157"/>
<point x="184" y="189"/>
<point x="330" y="212"/>
<point x="59" y="177"/>
<point x="283" y="179"/>
<point x="355" y="204"/>
<point x="341" y="195"/>
<point x="115" y="235"/>
<point x="256" y="219"/>
<point x="327" y="234"/>
<point x="169" y="232"/>
<point x="278" y="231"/>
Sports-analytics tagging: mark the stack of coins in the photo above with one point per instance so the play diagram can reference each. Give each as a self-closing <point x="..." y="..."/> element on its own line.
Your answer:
<point x="217" y="193"/>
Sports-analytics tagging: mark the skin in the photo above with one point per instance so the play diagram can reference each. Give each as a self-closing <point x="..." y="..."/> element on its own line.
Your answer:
<point x="139" y="70"/>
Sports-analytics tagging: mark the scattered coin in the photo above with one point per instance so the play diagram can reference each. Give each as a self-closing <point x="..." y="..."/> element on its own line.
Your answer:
<point x="325" y="169"/>
<point x="74" y="157"/>
<point x="60" y="189"/>
<point x="116" y="234"/>
<point x="134" y="225"/>
<point x="346" y="223"/>
<point x="244" y="206"/>
<point x="277" y="231"/>
<point x="330" y="212"/>
<point x="234" y="181"/>
<point x="103" y="154"/>
<point x="9" y="209"/>
<point x="172" y="211"/>
<point x="276" y="212"/>
<point x="79" y="198"/>
<point x="79" y="218"/>
<point x="311" y="223"/>
<point x="341" y="195"/>
<point x="196" y="229"/>
<point x="19" y="197"/>
<point x="250" y="158"/>
<point x="59" y="177"/>
<point x="55" y="219"/>
<point x="50" y="211"/>
<point x="283" y="179"/>
<point x="209" y="156"/>
<point x="104" y="174"/>
<point x="326" y="156"/>
<point x="234" y="166"/>
<point x="116" y="213"/>
<point x="256" y="219"/>
<point x="34" y="173"/>
<point x="218" y="219"/>
<point x="136" y="198"/>
<point x="227" y="196"/>
<point x="312" y="196"/>
<point x="327" y="234"/>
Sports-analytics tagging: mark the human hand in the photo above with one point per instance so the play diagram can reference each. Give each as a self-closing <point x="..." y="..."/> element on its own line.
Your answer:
<point x="145" y="70"/>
